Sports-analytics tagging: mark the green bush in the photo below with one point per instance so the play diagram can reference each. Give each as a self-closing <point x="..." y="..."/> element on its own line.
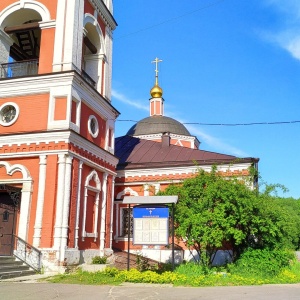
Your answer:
<point x="191" y="269"/>
<point x="264" y="262"/>
<point x="142" y="263"/>
<point x="98" y="260"/>
<point x="186" y="277"/>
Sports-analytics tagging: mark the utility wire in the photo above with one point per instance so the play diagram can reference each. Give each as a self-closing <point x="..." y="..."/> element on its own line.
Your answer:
<point x="220" y="124"/>
<point x="171" y="19"/>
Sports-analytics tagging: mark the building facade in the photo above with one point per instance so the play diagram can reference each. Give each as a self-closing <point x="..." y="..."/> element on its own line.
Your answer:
<point x="156" y="152"/>
<point x="57" y="163"/>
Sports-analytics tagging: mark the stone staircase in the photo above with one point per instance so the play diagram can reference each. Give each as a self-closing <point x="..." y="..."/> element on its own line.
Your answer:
<point x="10" y="267"/>
<point x="121" y="260"/>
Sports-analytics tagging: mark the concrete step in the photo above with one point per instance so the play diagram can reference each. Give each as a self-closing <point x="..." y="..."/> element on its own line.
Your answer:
<point x="12" y="262"/>
<point x="6" y="259"/>
<point x="10" y="267"/>
<point x="13" y="267"/>
<point x="13" y="274"/>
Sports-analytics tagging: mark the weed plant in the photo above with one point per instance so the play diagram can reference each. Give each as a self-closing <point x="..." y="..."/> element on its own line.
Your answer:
<point x="83" y="277"/>
<point x="98" y="260"/>
<point x="262" y="263"/>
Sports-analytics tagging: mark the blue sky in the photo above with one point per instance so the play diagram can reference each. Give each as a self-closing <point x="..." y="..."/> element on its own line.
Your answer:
<point x="224" y="62"/>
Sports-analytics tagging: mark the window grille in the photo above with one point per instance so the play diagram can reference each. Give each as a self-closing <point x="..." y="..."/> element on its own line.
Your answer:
<point x="125" y="221"/>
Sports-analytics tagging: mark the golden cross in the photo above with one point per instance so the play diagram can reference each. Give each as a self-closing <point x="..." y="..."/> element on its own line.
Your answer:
<point x="156" y="61"/>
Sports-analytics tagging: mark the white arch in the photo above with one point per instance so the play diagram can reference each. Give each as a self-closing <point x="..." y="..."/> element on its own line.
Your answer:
<point x="93" y="175"/>
<point x="11" y="169"/>
<point x="88" y="18"/>
<point x="25" y="198"/>
<point x="126" y="191"/>
<point x="26" y="4"/>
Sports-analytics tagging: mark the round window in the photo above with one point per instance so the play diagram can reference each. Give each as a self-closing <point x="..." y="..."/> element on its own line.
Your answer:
<point x="93" y="126"/>
<point x="8" y="114"/>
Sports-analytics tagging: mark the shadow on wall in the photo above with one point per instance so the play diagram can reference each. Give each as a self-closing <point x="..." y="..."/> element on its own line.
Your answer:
<point x="221" y="258"/>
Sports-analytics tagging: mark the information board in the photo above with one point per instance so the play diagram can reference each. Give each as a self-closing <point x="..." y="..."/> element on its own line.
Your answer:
<point x="150" y="226"/>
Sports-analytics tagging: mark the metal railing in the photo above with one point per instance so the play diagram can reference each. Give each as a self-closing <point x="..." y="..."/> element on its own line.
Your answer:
<point x="19" y="68"/>
<point x="27" y="253"/>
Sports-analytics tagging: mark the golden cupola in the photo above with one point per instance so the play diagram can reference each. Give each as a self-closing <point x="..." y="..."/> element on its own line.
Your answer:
<point x="156" y="91"/>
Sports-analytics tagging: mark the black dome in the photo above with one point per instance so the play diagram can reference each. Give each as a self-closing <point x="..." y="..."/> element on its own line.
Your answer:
<point x="157" y="124"/>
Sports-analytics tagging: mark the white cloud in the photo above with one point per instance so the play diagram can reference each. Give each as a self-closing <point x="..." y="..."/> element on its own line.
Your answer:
<point x="216" y="143"/>
<point x="289" y="42"/>
<point x="124" y="99"/>
<point x="288" y="37"/>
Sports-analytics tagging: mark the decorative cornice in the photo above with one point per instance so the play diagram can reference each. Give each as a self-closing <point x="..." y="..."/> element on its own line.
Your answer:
<point x="44" y="83"/>
<point x="58" y="141"/>
<point x="157" y="136"/>
<point x="179" y="171"/>
<point x="105" y="13"/>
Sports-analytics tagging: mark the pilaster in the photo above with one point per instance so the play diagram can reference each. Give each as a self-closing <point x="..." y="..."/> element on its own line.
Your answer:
<point x="103" y="212"/>
<point x="40" y="202"/>
<point x="66" y="205"/>
<point x="59" y="200"/>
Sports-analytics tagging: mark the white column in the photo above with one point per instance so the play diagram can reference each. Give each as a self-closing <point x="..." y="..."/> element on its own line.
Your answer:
<point x="78" y="204"/>
<point x="24" y="210"/>
<point x="68" y="36"/>
<point x="59" y="200"/>
<point x="117" y="220"/>
<point x="5" y="44"/>
<point x="108" y="65"/>
<point x="59" y="36"/>
<point x="103" y="212"/>
<point x="146" y="189"/>
<point x="73" y="34"/>
<point x="66" y="205"/>
<point x="156" y="188"/>
<point x="40" y="202"/>
<point x="112" y="210"/>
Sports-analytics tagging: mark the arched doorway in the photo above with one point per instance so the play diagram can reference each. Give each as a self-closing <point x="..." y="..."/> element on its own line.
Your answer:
<point x="9" y="205"/>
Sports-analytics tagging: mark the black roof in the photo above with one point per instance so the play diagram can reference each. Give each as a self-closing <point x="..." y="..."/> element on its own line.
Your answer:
<point x="158" y="124"/>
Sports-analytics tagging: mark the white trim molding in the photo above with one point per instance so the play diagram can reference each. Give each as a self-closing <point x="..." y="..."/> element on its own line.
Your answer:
<point x="40" y="202"/>
<point x="27" y="182"/>
<point x="15" y="117"/>
<point x="127" y="190"/>
<point x="93" y="176"/>
<point x="25" y="4"/>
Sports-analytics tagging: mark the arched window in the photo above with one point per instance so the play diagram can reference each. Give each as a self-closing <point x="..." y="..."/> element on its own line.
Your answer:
<point x="20" y="41"/>
<point x="93" y="53"/>
<point x="92" y="191"/>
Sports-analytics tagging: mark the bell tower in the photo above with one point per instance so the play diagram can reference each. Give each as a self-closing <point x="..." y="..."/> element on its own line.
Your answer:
<point x="57" y="124"/>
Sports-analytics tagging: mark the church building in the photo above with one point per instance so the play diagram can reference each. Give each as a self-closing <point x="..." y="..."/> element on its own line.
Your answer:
<point x="57" y="162"/>
<point x="63" y="175"/>
<point x="156" y="152"/>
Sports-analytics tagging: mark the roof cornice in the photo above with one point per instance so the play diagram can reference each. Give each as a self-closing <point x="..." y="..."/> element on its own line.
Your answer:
<point x="103" y="10"/>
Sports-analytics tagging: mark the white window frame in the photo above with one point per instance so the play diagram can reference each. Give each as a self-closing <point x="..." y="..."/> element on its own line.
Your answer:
<point x="16" y="116"/>
<point x="96" y="133"/>
<point x="93" y="176"/>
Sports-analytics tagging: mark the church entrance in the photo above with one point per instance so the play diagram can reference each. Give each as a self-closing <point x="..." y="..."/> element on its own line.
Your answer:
<point x="9" y="205"/>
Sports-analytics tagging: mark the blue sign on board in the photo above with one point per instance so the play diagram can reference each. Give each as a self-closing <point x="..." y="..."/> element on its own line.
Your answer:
<point x="151" y="212"/>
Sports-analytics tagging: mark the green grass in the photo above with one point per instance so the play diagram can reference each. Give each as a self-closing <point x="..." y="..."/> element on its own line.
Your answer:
<point x="87" y="278"/>
<point x="185" y="275"/>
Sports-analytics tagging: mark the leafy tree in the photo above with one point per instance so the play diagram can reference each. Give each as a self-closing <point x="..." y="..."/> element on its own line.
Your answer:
<point x="214" y="212"/>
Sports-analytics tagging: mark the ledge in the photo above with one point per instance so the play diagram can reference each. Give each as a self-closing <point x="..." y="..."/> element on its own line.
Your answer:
<point x="93" y="268"/>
